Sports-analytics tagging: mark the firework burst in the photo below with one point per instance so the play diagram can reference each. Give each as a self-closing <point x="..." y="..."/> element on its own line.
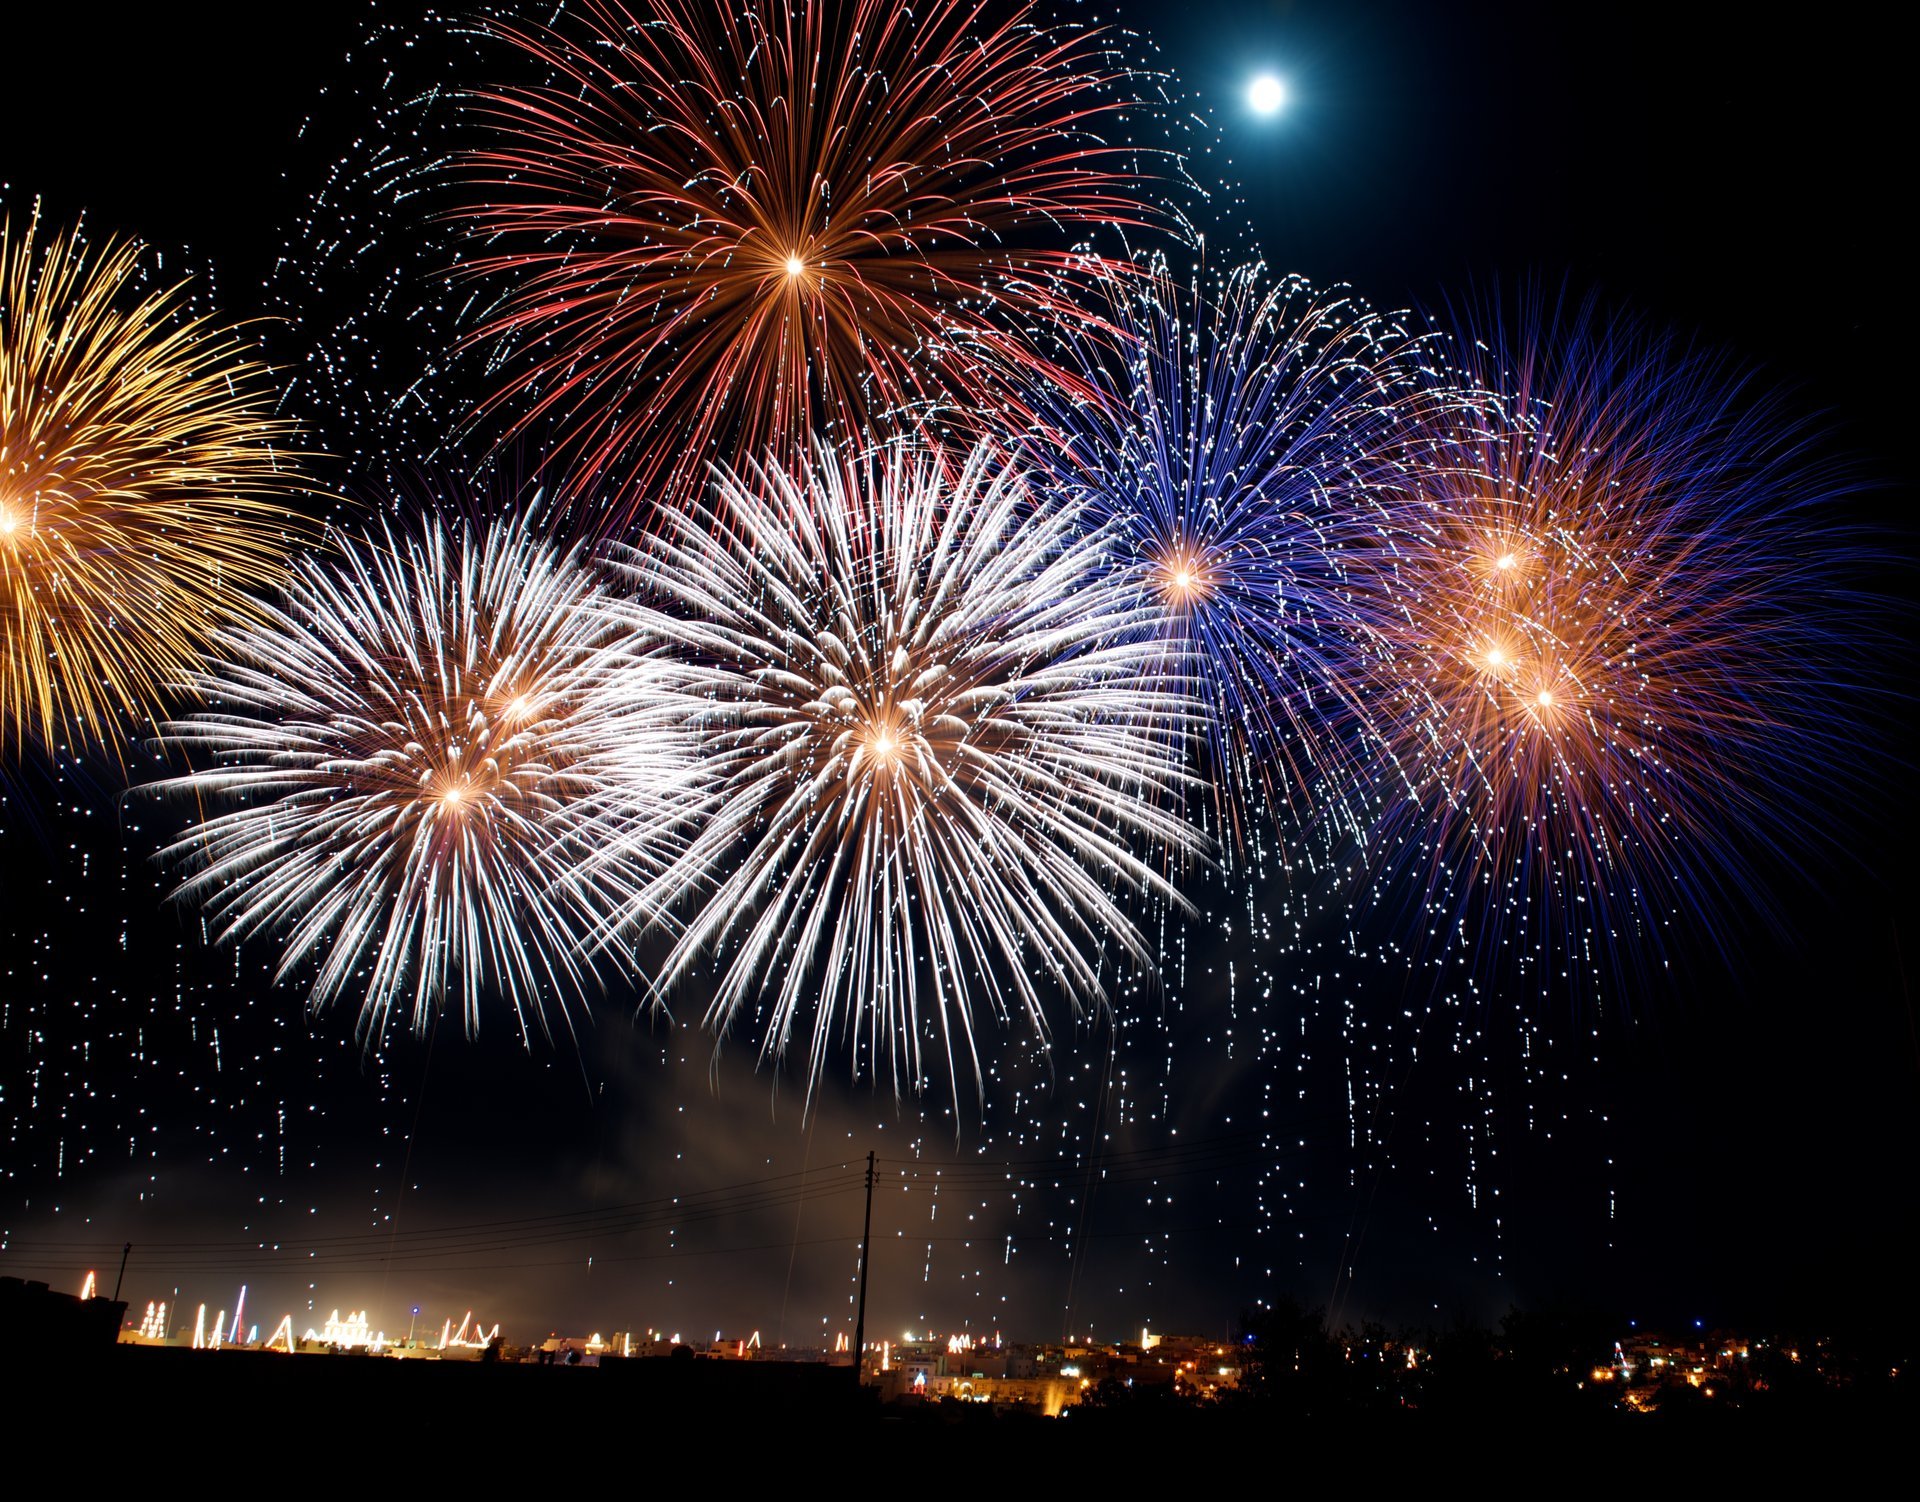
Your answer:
<point x="415" y="754"/>
<point x="1235" y="440"/>
<point x="745" y="225"/>
<point x="1613" y="643"/>
<point x="141" y="493"/>
<point x="939" y="749"/>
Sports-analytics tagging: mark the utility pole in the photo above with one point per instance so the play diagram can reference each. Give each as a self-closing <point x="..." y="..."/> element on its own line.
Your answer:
<point x="125" y="1252"/>
<point x="866" y="1253"/>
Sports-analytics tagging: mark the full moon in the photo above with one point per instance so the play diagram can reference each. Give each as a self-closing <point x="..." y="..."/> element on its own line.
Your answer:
<point x="1266" y="95"/>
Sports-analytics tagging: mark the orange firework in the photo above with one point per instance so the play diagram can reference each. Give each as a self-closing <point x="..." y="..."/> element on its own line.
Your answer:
<point x="1609" y="647"/>
<point x="742" y="225"/>
<point x="141" y="492"/>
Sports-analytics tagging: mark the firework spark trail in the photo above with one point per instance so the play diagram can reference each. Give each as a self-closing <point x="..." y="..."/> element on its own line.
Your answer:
<point x="416" y="751"/>
<point x="1239" y="439"/>
<point x="1616" y="638"/>
<point x="141" y="493"/>
<point x="746" y="227"/>
<point x="1242" y="437"/>
<point x="940" y="748"/>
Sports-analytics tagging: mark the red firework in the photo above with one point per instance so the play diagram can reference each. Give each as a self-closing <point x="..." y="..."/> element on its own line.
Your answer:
<point x="720" y="228"/>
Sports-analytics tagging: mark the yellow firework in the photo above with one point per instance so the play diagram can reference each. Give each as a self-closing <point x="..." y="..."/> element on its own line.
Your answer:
<point x="142" y="487"/>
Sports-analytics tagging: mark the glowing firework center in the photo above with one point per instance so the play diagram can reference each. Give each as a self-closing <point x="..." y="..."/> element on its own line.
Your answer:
<point x="1186" y="576"/>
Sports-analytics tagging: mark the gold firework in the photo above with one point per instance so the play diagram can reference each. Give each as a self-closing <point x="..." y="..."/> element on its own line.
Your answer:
<point x="142" y="489"/>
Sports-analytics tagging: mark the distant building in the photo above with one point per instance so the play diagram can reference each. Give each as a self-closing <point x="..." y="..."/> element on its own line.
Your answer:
<point x="34" y="1316"/>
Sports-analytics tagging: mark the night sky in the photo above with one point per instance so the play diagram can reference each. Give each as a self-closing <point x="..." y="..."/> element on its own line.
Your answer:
<point x="1730" y="1140"/>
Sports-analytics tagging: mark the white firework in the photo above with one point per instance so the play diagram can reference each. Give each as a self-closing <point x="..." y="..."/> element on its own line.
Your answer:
<point x="412" y="762"/>
<point x="942" y="753"/>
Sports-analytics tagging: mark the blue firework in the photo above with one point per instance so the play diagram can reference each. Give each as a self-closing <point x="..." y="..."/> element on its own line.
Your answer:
<point x="1240" y="440"/>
